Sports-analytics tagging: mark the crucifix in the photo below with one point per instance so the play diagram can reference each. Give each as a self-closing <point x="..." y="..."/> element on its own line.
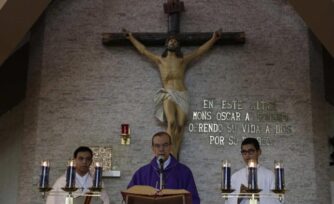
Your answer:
<point x="172" y="101"/>
<point x="173" y="9"/>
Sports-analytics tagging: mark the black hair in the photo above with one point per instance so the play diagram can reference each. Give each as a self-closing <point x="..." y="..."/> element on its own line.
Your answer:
<point x="82" y="149"/>
<point x="252" y="141"/>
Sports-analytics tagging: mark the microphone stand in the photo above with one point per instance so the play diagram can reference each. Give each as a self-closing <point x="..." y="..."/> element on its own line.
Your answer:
<point x="161" y="175"/>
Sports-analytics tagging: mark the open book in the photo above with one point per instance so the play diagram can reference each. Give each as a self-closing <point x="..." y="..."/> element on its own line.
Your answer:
<point x="150" y="195"/>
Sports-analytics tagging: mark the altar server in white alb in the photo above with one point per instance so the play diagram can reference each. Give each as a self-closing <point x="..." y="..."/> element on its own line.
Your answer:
<point x="250" y="151"/>
<point x="83" y="158"/>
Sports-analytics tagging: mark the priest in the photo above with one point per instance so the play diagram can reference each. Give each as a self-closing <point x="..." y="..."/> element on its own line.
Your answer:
<point x="164" y="171"/>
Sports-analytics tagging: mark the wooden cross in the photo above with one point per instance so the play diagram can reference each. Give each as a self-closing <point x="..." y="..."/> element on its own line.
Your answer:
<point x="173" y="8"/>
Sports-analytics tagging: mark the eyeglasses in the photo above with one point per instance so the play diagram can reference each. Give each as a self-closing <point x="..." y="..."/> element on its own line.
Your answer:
<point x="82" y="159"/>
<point x="250" y="152"/>
<point x="164" y="146"/>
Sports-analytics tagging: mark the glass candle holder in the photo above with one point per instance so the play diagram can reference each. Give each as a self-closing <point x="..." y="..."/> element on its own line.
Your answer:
<point x="279" y="175"/>
<point x="125" y="134"/>
<point x="97" y="182"/>
<point x="252" y="175"/>
<point x="226" y="175"/>
<point x="125" y="130"/>
<point x="44" y="177"/>
<point x="70" y="174"/>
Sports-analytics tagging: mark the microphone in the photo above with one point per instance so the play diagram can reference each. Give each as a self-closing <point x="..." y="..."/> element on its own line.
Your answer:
<point x="161" y="170"/>
<point x="161" y="160"/>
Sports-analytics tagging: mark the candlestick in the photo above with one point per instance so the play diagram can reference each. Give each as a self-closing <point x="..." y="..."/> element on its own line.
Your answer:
<point x="70" y="175"/>
<point x="252" y="175"/>
<point x="97" y="182"/>
<point x="226" y="175"/>
<point x="44" y="178"/>
<point x="279" y="175"/>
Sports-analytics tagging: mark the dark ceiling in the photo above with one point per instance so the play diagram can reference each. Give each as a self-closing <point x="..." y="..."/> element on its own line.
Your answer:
<point x="13" y="78"/>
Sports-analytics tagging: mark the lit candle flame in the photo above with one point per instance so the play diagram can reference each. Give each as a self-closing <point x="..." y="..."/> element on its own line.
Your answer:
<point x="71" y="163"/>
<point x="45" y="163"/>
<point x="226" y="163"/>
<point x="251" y="163"/>
<point x="278" y="164"/>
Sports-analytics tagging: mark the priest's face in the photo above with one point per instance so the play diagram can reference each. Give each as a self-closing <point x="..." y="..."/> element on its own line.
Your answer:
<point x="82" y="162"/>
<point x="161" y="146"/>
<point x="249" y="152"/>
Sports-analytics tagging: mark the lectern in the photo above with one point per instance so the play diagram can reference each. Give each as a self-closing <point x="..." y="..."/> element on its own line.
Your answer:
<point x="150" y="195"/>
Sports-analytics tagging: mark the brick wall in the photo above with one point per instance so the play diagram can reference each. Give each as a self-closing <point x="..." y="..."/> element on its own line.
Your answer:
<point x="79" y="92"/>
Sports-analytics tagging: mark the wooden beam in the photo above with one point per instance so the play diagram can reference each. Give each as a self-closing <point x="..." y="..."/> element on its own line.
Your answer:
<point x="186" y="39"/>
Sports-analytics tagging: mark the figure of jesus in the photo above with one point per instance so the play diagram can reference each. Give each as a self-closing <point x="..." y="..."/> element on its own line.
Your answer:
<point x="172" y="100"/>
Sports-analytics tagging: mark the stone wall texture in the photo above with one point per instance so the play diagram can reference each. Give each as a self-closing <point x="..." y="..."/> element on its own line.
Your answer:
<point x="80" y="92"/>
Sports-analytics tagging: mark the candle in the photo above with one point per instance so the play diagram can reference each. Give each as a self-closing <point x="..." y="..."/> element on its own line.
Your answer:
<point x="226" y="175"/>
<point x="125" y="129"/>
<point x="44" y="178"/>
<point x="252" y="175"/>
<point x="279" y="175"/>
<point x="70" y="175"/>
<point x="97" y="182"/>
